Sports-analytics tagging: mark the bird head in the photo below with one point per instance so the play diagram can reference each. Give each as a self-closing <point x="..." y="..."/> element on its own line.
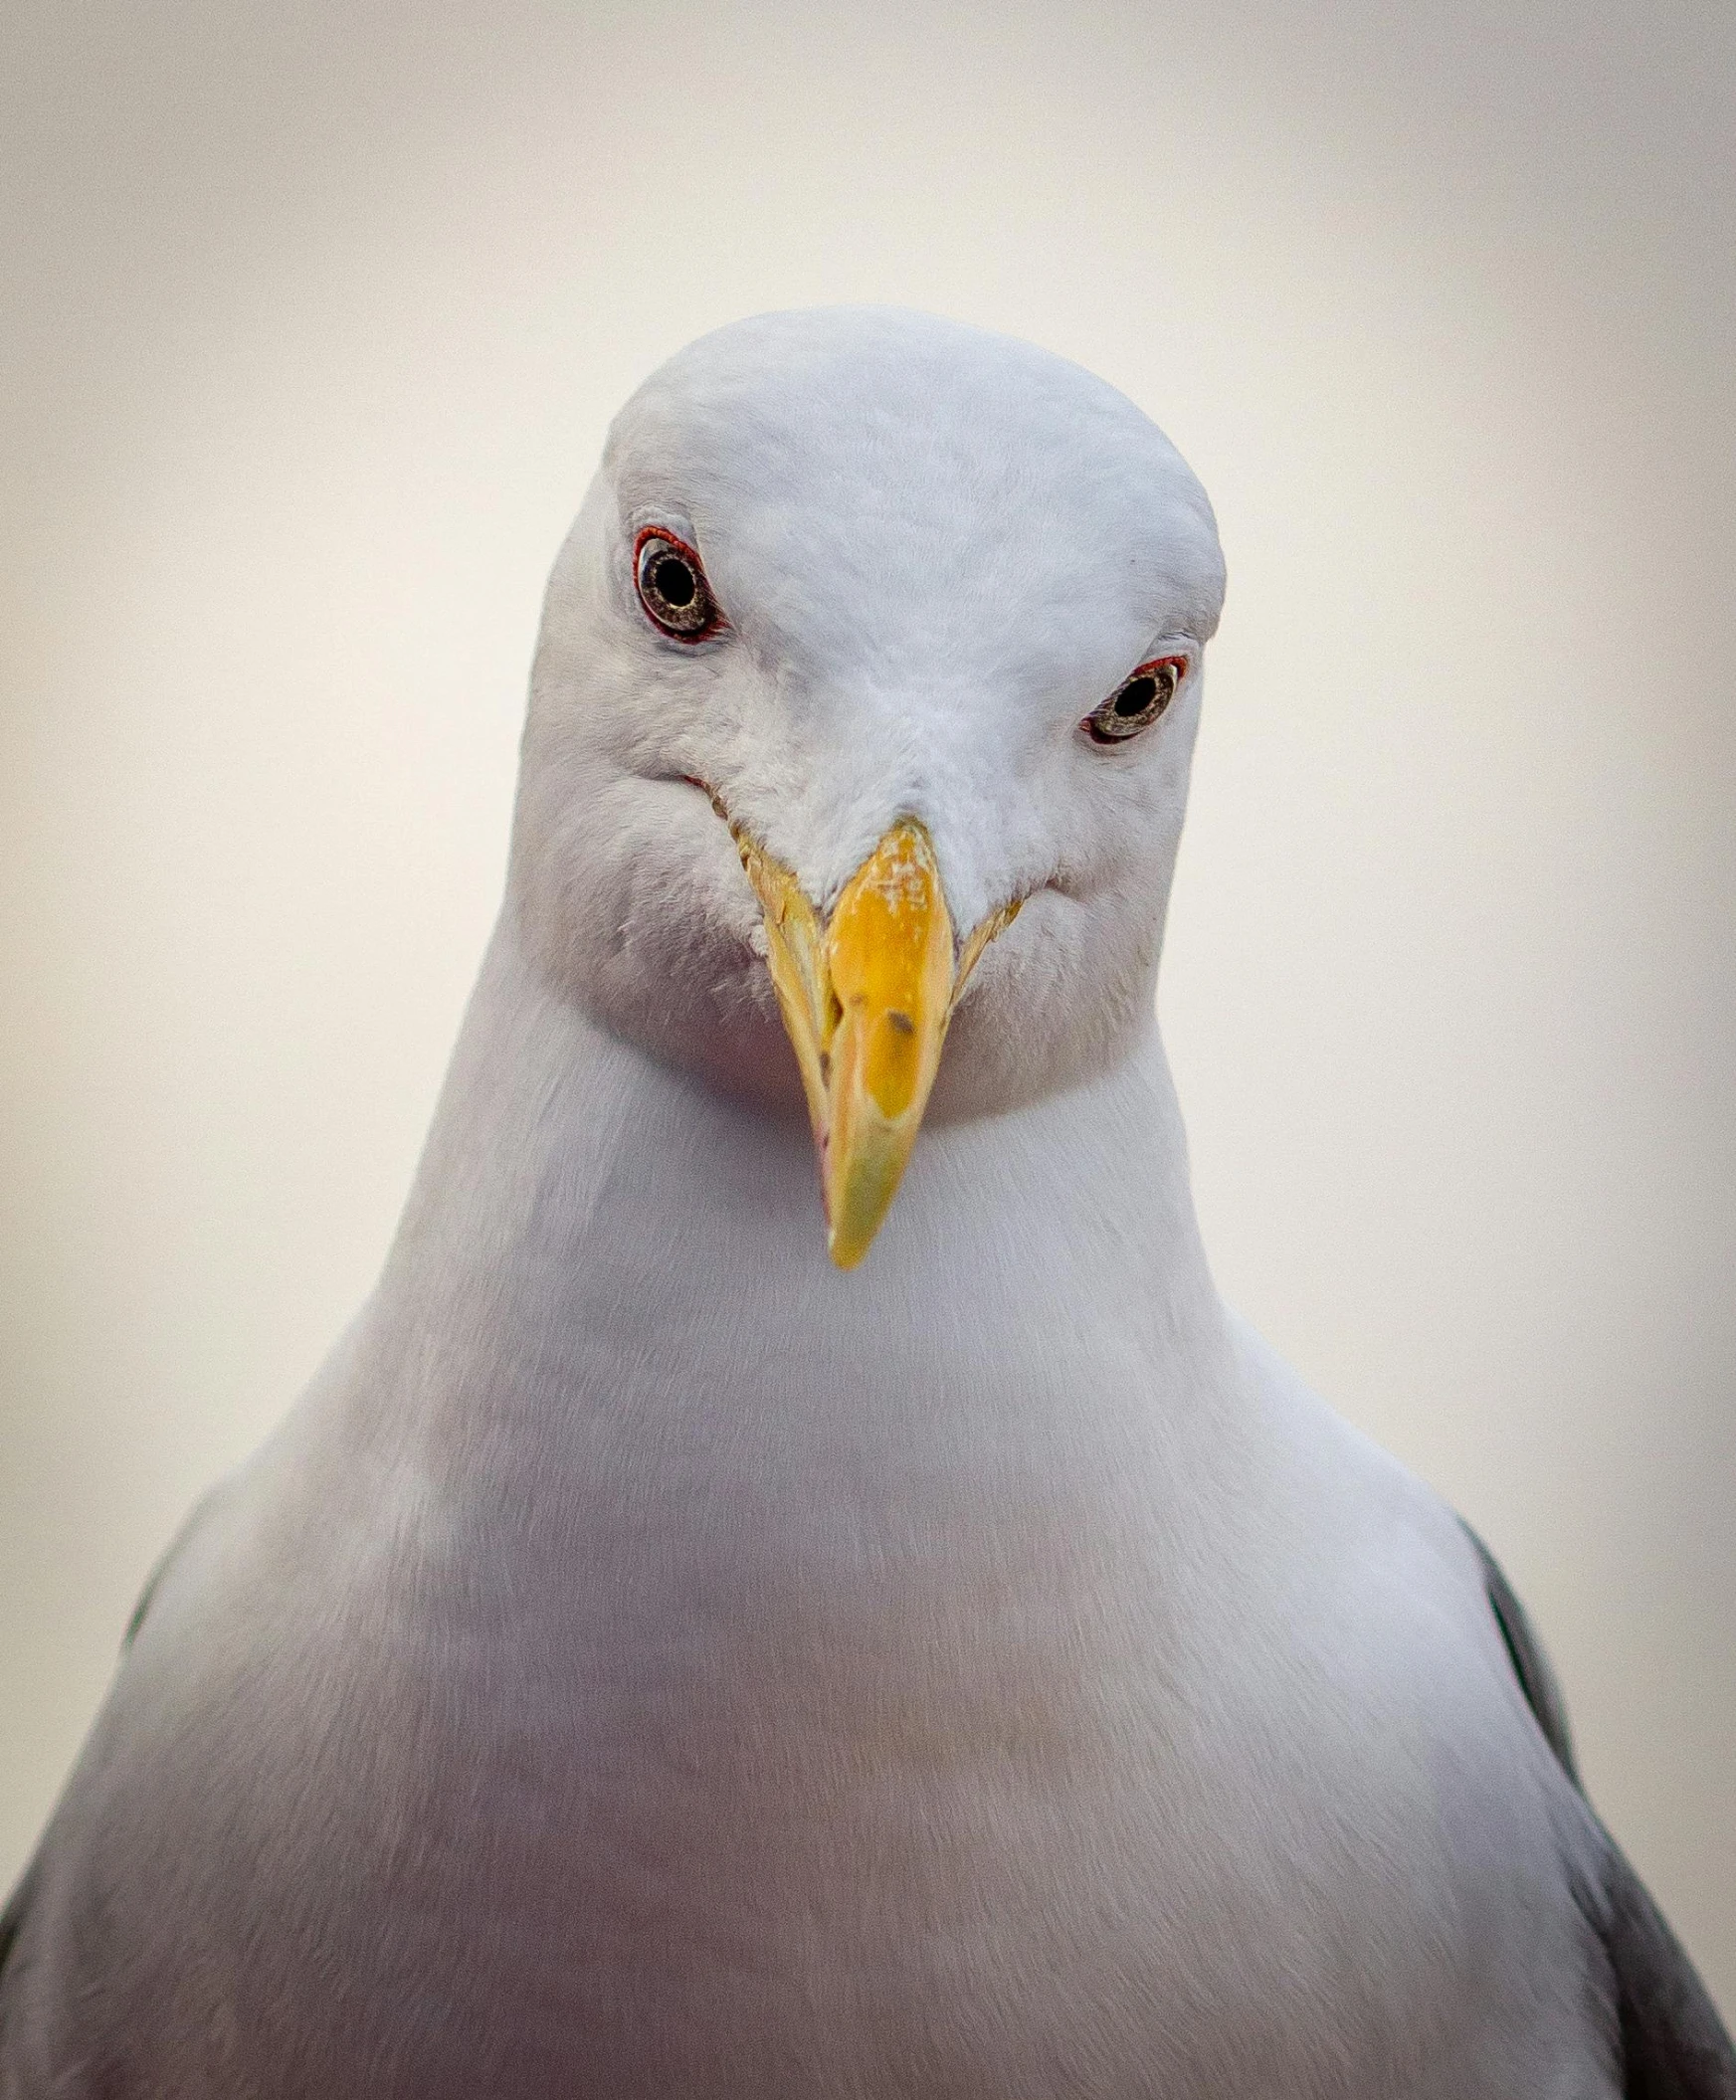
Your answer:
<point x="859" y="728"/>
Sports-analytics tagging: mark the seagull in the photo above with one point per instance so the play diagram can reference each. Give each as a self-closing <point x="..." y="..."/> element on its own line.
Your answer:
<point x="794" y="1587"/>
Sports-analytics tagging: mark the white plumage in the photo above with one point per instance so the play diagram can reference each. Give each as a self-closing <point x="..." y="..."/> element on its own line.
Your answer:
<point x="651" y="1662"/>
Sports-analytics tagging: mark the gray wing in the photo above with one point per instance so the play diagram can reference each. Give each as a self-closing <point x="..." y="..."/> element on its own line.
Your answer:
<point x="1672" y="2044"/>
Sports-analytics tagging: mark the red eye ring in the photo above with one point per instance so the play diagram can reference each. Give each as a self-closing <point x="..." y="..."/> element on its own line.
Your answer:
<point x="670" y="580"/>
<point x="1137" y="701"/>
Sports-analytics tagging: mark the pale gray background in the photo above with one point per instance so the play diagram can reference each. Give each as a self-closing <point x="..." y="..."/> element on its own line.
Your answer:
<point x="313" y="317"/>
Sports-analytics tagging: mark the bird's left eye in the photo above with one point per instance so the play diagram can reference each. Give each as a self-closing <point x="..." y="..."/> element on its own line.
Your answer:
<point x="671" y="586"/>
<point x="1136" y="703"/>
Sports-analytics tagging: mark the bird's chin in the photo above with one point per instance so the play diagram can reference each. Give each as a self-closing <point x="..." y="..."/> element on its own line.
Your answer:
<point x="1017" y="1036"/>
<point x="666" y="948"/>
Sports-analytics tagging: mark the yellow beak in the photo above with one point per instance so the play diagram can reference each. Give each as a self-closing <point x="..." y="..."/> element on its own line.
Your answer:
<point x="867" y="1000"/>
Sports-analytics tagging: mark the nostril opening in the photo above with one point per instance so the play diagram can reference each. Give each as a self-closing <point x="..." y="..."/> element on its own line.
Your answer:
<point x="902" y="1022"/>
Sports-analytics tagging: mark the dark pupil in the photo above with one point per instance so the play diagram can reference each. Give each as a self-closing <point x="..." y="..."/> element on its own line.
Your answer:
<point x="1135" y="697"/>
<point x="672" y="580"/>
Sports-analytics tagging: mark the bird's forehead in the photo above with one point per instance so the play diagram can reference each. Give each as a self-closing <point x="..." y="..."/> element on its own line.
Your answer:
<point x="903" y="483"/>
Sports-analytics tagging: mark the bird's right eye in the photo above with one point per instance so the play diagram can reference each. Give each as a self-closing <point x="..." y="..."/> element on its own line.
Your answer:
<point x="671" y="586"/>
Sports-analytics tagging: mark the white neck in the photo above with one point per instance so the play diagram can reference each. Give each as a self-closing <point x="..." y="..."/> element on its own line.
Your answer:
<point x="599" y="1251"/>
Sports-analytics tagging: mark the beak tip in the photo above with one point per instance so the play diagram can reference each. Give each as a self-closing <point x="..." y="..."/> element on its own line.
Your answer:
<point x="846" y="1248"/>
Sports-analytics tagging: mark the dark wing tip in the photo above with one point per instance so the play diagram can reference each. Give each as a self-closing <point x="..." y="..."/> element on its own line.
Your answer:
<point x="1673" y="2045"/>
<point x="1531" y="1664"/>
<point x="11" y="1926"/>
